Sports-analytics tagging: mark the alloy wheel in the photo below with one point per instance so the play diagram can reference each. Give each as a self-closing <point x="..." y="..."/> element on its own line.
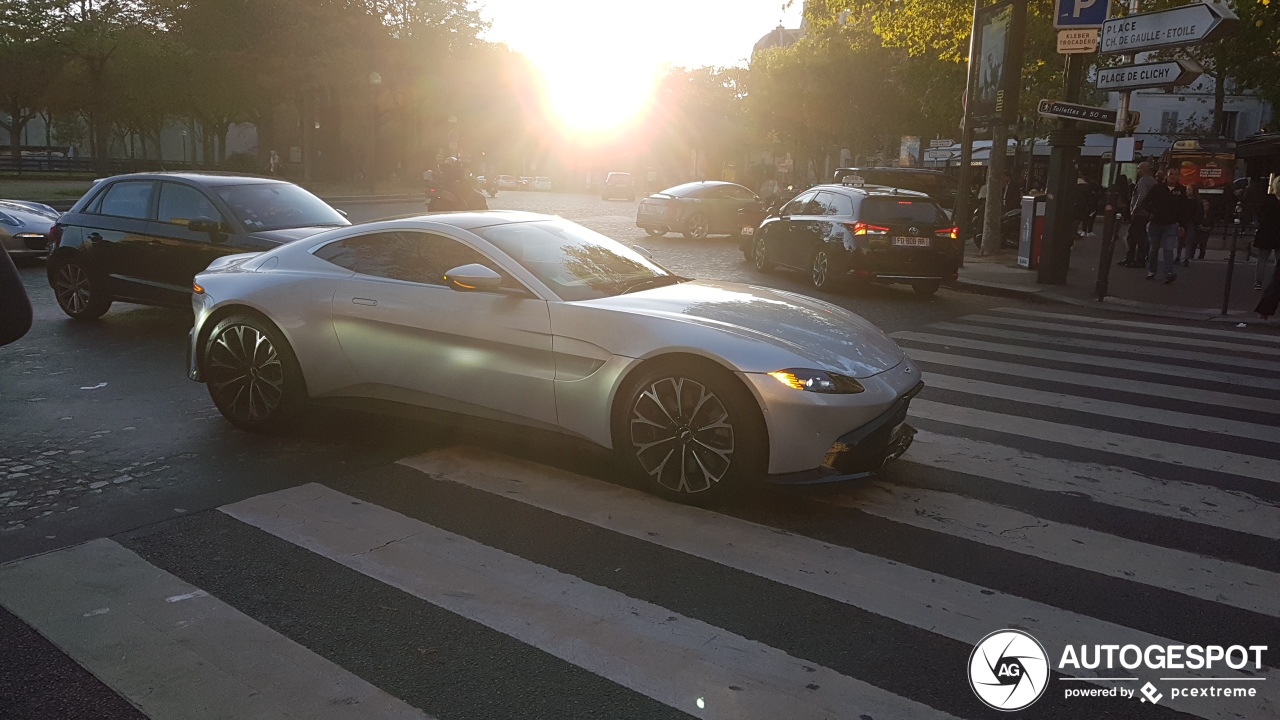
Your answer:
<point x="72" y="288"/>
<point x="698" y="226"/>
<point x="820" y="264"/>
<point x="761" y="255"/>
<point x="245" y="374"/>
<point x="682" y="435"/>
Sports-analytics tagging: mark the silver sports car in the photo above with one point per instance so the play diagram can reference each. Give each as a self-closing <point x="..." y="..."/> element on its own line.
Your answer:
<point x="24" y="227"/>
<point x="529" y="319"/>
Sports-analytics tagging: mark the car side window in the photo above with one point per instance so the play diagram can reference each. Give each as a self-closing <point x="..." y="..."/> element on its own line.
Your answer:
<point x="798" y="205"/>
<point x="733" y="192"/>
<point x="838" y="205"/>
<point x="183" y="202"/>
<point x="417" y="257"/>
<point x="128" y="200"/>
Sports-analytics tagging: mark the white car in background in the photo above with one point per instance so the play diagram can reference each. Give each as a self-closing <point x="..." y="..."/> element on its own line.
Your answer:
<point x="699" y="387"/>
<point x="508" y="182"/>
<point x="542" y="183"/>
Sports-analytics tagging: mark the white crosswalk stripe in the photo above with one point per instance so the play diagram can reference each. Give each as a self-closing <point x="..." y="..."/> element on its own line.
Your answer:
<point x="113" y="609"/>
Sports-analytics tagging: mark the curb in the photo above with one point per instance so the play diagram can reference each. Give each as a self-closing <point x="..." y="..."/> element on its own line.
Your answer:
<point x="1112" y="304"/>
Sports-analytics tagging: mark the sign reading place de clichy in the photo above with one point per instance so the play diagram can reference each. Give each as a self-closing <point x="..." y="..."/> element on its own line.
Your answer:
<point x="1171" y="73"/>
<point x="1187" y="25"/>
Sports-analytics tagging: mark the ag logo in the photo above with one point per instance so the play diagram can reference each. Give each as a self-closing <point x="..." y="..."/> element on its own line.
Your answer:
<point x="1008" y="670"/>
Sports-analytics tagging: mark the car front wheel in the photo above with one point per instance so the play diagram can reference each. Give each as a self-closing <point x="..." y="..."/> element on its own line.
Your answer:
<point x="653" y="232"/>
<point x="79" y="294"/>
<point x="252" y="374"/>
<point x="760" y="255"/>
<point x="690" y="433"/>
<point x="822" y="274"/>
<point x="927" y="287"/>
<point x="697" y="227"/>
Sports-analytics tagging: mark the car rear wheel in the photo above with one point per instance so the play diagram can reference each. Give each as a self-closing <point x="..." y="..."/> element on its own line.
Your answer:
<point x="690" y="432"/>
<point x="760" y="255"/>
<point x="252" y="374"/>
<point x="78" y="292"/>
<point x="822" y="274"/>
<point x="697" y="227"/>
<point x="927" y="287"/>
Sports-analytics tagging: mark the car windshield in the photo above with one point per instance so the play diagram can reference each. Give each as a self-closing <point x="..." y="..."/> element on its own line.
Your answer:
<point x="894" y="211"/>
<point x="576" y="263"/>
<point x="274" y="206"/>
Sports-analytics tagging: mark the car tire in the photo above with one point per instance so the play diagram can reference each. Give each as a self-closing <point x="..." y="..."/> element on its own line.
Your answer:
<point x="653" y="232"/>
<point x="722" y="446"/>
<point x="760" y="255"/>
<point x="926" y="287"/>
<point x="821" y="273"/>
<point x="252" y="374"/>
<point x="78" y="290"/>
<point x="697" y="227"/>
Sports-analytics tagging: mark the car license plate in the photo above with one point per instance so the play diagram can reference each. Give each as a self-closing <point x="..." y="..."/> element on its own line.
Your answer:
<point x="911" y="241"/>
<point x="748" y="230"/>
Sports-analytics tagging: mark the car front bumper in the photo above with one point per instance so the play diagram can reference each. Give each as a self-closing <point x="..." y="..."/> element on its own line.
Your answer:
<point x="815" y="437"/>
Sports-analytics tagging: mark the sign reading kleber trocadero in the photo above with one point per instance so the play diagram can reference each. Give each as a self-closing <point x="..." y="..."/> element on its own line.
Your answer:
<point x="1186" y="25"/>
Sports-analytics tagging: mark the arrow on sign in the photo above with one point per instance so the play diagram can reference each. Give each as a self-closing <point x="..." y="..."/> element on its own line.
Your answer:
<point x="1187" y="25"/>
<point x="1148" y="75"/>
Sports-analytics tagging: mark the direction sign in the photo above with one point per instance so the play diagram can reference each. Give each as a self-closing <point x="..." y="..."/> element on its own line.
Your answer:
<point x="1148" y="75"/>
<point x="1187" y="25"/>
<point x="1087" y="113"/>
<point x="1073" y="42"/>
<point x="941" y="143"/>
<point x="1079" y="13"/>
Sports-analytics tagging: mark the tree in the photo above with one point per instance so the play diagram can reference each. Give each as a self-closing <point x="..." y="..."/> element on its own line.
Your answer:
<point x="29" y="65"/>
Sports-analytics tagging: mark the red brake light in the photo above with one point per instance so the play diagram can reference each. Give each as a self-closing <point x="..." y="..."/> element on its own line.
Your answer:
<point x="904" y="202"/>
<point x="861" y="228"/>
<point x="55" y="236"/>
<point x="951" y="232"/>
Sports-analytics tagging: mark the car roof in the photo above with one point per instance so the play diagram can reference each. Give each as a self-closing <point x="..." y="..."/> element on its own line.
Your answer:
<point x="200" y="178"/>
<point x="874" y="190"/>
<point x="473" y="220"/>
<point x="918" y="171"/>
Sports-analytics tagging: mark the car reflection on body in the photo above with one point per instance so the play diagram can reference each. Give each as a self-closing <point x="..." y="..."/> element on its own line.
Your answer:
<point x="24" y="227"/>
<point x="699" y="387"/>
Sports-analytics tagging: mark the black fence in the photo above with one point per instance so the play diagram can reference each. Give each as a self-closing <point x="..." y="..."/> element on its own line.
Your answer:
<point x="30" y="163"/>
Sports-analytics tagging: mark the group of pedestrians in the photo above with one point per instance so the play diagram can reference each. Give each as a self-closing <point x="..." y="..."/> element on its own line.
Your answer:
<point x="1166" y="220"/>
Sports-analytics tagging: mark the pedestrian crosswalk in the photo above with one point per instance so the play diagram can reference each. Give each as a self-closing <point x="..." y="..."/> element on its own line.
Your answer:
<point x="1087" y="480"/>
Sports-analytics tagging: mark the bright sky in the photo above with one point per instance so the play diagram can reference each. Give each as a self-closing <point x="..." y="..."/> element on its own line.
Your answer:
<point x="600" y="57"/>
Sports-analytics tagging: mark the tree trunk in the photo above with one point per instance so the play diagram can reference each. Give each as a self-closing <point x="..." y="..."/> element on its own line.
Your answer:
<point x="995" y="188"/>
<point x="1219" y="100"/>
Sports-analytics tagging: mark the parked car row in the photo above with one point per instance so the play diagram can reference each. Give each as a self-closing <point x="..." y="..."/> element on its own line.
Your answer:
<point x="576" y="332"/>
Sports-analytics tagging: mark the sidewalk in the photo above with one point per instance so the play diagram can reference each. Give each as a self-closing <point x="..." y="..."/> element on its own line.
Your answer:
<point x="1196" y="294"/>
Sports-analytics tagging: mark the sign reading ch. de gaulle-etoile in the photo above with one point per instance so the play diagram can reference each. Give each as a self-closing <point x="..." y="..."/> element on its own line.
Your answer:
<point x="1187" y="25"/>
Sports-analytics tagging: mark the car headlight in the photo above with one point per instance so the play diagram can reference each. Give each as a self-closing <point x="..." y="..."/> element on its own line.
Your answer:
<point x="819" y="381"/>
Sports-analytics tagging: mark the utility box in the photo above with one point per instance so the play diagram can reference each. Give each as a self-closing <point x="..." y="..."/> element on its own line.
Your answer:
<point x="1031" y="231"/>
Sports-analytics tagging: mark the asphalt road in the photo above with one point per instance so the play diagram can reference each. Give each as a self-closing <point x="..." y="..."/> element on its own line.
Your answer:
<point x="1111" y="480"/>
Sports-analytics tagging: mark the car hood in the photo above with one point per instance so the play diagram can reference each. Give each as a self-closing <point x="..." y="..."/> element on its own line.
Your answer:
<point x="827" y="336"/>
<point x="288" y="235"/>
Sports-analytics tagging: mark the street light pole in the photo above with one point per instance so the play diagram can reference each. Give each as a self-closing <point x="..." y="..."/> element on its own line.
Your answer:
<point x="1101" y="285"/>
<point x="374" y="81"/>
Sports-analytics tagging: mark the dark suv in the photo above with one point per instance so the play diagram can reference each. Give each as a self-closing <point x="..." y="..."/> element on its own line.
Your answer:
<point x="142" y="238"/>
<point x="867" y="233"/>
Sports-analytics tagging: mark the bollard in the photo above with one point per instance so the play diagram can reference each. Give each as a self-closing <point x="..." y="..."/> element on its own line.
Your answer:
<point x="1107" y="250"/>
<point x="1231" y="266"/>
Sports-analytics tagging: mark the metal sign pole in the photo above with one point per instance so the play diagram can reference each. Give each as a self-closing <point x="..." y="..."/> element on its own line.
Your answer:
<point x="1107" y="251"/>
<point x="961" y="210"/>
<point x="1231" y="267"/>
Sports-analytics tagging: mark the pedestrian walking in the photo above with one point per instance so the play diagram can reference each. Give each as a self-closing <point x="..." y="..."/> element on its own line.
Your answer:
<point x="1267" y="239"/>
<point x="1169" y="210"/>
<point x="1197" y="234"/>
<point x="1136" y="254"/>
<point x="273" y="164"/>
<point x="1086" y="205"/>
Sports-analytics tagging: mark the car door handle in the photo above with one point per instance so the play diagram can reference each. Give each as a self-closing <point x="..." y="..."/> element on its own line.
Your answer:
<point x="364" y="301"/>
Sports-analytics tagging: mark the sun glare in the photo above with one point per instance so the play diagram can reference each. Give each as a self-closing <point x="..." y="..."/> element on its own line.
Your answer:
<point x="598" y="99"/>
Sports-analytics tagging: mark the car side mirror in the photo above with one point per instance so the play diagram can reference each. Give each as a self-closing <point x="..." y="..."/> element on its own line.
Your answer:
<point x="472" y="277"/>
<point x="342" y="212"/>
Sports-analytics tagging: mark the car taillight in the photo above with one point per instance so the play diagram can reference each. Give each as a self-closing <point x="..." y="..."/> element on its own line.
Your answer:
<point x="55" y="236"/>
<point x="861" y="228"/>
<point x="951" y="232"/>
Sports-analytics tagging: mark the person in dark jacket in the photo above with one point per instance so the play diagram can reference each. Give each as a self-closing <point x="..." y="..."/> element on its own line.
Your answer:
<point x="15" y="306"/>
<point x="1198" y="227"/>
<point x="1267" y="240"/>
<point x="1269" y="230"/>
<point x="1169" y="210"/>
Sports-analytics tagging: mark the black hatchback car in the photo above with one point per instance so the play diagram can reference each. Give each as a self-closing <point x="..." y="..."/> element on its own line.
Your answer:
<point x="864" y="233"/>
<point x="697" y="209"/>
<point x="142" y="238"/>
